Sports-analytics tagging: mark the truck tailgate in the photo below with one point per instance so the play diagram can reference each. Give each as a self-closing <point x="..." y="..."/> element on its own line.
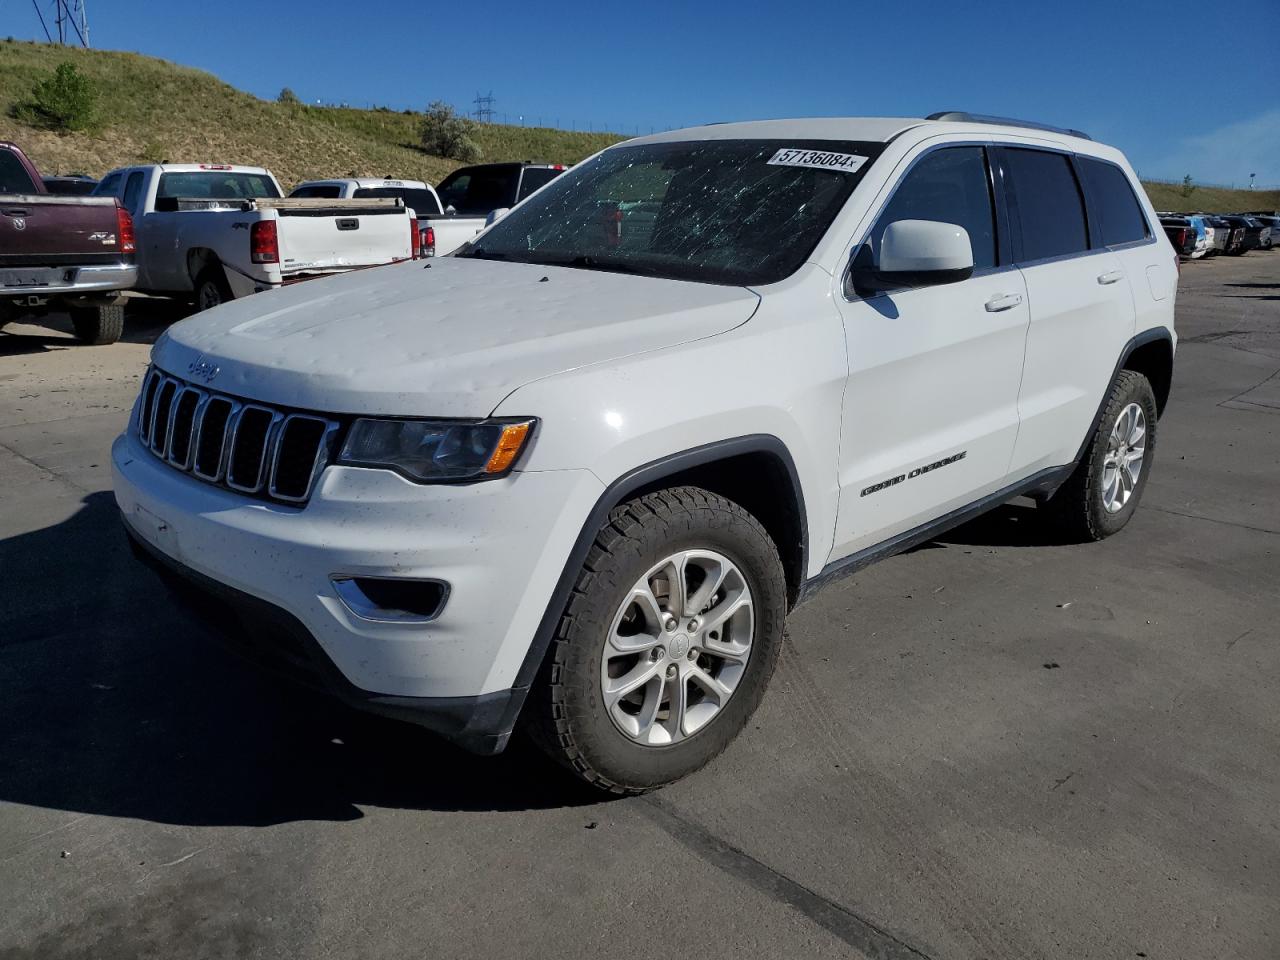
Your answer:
<point x="320" y="236"/>
<point x="52" y="230"/>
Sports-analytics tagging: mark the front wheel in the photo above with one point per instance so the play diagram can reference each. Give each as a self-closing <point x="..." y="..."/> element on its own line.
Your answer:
<point x="1103" y="491"/>
<point x="668" y="641"/>
<point x="98" y="325"/>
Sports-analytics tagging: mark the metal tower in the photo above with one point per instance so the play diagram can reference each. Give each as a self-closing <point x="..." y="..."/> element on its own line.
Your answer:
<point x="71" y="22"/>
<point x="484" y="108"/>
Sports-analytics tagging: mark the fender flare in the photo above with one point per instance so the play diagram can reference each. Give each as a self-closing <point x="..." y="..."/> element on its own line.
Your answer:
<point x="620" y="490"/>
<point x="1151" y="335"/>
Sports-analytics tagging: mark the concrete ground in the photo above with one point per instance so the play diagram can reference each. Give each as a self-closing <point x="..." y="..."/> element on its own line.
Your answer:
<point x="992" y="746"/>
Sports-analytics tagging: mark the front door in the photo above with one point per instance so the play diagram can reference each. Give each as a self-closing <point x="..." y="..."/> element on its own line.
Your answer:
<point x="930" y="411"/>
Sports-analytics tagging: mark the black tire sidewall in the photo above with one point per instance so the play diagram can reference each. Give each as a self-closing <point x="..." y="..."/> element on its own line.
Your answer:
<point x="210" y="276"/>
<point x="98" y="325"/>
<point x="607" y="752"/>
<point x="1132" y="389"/>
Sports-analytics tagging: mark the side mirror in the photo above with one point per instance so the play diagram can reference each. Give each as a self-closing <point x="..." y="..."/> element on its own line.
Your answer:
<point x="496" y="215"/>
<point x="915" y="253"/>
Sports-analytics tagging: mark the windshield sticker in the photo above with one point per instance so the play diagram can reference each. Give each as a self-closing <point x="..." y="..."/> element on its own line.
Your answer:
<point x="820" y="159"/>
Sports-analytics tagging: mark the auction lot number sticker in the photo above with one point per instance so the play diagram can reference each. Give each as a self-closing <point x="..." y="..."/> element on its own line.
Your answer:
<point x="819" y="159"/>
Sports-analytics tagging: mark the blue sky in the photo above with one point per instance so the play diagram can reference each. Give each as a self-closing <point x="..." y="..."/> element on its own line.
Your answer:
<point x="1169" y="82"/>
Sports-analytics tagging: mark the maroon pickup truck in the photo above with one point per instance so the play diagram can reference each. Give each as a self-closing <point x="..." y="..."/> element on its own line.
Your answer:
<point x="62" y="253"/>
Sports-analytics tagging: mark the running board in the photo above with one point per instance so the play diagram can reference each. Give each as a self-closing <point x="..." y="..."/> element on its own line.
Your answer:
<point x="1045" y="482"/>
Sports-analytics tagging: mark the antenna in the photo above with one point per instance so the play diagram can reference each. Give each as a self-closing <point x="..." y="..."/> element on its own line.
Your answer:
<point x="484" y="108"/>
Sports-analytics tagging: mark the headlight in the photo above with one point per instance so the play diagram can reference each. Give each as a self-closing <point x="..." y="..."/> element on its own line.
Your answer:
<point x="437" y="450"/>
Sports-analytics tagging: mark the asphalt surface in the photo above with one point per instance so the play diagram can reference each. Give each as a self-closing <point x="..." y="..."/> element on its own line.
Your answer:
<point x="992" y="746"/>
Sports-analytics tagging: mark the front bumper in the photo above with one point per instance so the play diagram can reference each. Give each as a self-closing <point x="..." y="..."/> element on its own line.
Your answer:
<point x="500" y="545"/>
<point x="46" y="281"/>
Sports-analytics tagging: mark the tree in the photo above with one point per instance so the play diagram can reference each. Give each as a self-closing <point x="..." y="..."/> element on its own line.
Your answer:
<point x="288" y="96"/>
<point x="1188" y="188"/>
<point x="64" y="102"/>
<point x="445" y="134"/>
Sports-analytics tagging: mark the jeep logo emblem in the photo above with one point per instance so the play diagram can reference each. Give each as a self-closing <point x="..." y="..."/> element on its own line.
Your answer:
<point x="202" y="370"/>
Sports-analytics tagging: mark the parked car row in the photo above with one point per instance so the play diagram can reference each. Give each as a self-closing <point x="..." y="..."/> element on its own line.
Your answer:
<point x="1199" y="235"/>
<point x="210" y="232"/>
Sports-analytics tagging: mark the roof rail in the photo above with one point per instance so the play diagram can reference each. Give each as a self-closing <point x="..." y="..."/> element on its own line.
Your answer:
<point x="960" y="116"/>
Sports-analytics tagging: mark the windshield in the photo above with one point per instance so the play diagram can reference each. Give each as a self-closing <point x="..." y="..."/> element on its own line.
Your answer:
<point x="416" y="199"/>
<point x="715" y="211"/>
<point x="216" y="185"/>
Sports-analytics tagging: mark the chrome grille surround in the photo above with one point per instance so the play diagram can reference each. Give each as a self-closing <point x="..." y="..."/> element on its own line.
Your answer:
<point x="234" y="444"/>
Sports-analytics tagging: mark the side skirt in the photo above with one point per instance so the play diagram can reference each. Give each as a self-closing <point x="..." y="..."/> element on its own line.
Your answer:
<point x="1045" y="482"/>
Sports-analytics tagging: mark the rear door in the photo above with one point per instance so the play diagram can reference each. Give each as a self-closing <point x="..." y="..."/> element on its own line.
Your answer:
<point x="930" y="410"/>
<point x="1082" y="310"/>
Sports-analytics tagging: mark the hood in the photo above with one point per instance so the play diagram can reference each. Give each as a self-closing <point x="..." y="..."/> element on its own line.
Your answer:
<point x="451" y="339"/>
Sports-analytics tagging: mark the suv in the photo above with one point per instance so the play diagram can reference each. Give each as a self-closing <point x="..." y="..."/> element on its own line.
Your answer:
<point x="577" y="474"/>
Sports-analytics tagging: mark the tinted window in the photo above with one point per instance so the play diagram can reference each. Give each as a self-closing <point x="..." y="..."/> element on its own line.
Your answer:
<point x="132" y="187"/>
<point x="322" y="191"/>
<point x="1119" y="215"/>
<point x="535" y="177"/>
<point x="421" y="202"/>
<point x="1049" y="209"/>
<point x="949" y="186"/>
<point x="13" y="175"/>
<point x="68" y="186"/>
<point x="216" y="185"/>
<point x="479" y="190"/>
<point x="715" y="211"/>
<point x="108" y="187"/>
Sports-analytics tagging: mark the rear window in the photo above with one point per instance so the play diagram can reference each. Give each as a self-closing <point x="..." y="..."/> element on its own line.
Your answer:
<point x="479" y="190"/>
<point x="13" y="175"/>
<point x="535" y="177"/>
<point x="420" y="202"/>
<point x="323" y="191"/>
<point x="216" y="185"/>
<point x="1049" y="208"/>
<point x="1111" y="198"/>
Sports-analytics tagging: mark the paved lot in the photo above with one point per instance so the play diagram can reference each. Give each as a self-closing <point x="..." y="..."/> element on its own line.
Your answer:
<point x="990" y="747"/>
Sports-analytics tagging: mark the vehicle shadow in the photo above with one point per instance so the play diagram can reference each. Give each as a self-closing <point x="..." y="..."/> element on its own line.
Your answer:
<point x="144" y="321"/>
<point x="117" y="704"/>
<point x="1011" y="525"/>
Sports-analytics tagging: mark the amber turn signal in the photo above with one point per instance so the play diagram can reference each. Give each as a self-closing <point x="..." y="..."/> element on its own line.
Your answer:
<point x="509" y="446"/>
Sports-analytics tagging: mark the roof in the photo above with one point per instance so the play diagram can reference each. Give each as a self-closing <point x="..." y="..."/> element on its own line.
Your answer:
<point x="364" y="182"/>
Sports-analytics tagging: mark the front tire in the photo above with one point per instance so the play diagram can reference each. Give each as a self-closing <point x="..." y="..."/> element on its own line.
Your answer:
<point x="98" y="325"/>
<point x="1103" y="491"/>
<point x="668" y="641"/>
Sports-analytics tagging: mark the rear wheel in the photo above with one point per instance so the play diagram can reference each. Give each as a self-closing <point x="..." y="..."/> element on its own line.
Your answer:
<point x="212" y="288"/>
<point x="1103" y="492"/>
<point x="667" y="643"/>
<point x="98" y="325"/>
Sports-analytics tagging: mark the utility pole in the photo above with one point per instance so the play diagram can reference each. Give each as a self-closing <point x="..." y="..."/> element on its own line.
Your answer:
<point x="70" y="20"/>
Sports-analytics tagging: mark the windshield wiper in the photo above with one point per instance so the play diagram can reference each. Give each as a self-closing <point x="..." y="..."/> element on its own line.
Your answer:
<point x="588" y="262"/>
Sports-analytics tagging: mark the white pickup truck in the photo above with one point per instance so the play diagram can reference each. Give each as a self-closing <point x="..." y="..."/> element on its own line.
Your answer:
<point x="418" y="196"/>
<point x="221" y="232"/>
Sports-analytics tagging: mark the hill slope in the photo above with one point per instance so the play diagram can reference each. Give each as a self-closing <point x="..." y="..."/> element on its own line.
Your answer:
<point x="153" y="110"/>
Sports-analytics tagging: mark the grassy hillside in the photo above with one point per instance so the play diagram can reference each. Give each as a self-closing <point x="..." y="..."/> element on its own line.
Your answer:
<point x="153" y="110"/>
<point x="1168" y="197"/>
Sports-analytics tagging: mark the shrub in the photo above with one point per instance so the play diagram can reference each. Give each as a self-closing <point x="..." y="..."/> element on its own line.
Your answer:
<point x="445" y="134"/>
<point x="288" y="96"/>
<point x="1188" y="188"/>
<point x="64" y="102"/>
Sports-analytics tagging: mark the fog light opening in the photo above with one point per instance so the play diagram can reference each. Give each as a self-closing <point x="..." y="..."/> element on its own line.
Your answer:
<point x="392" y="599"/>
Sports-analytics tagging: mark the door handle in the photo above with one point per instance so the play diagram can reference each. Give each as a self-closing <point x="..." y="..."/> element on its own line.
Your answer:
<point x="1112" y="276"/>
<point x="1005" y="301"/>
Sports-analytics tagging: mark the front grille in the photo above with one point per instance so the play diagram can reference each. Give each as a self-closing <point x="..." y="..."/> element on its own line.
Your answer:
<point x="248" y="447"/>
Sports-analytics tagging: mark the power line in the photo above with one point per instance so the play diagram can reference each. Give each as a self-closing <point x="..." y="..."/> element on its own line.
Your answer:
<point x="484" y="108"/>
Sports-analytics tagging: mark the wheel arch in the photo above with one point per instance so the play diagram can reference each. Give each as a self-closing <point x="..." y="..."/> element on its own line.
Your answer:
<point x="198" y="260"/>
<point x="750" y="470"/>
<point x="1151" y="354"/>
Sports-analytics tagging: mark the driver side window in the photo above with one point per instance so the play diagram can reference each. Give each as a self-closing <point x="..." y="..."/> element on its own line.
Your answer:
<point x="949" y="186"/>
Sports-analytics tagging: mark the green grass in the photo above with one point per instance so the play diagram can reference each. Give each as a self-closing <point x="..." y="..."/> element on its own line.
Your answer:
<point x="152" y="110"/>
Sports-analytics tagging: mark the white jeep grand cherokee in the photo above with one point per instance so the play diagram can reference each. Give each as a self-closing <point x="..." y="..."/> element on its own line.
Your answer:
<point x="577" y="474"/>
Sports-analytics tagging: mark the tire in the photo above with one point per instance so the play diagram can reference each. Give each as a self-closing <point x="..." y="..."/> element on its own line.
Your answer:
<point x="211" y="288"/>
<point x="1089" y="506"/>
<point x="572" y="717"/>
<point x="98" y="325"/>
